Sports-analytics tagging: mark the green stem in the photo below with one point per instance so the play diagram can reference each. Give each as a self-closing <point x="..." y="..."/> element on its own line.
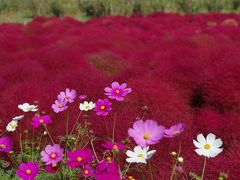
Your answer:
<point x="76" y="122"/>
<point x="175" y="161"/>
<point x="150" y="169"/>
<point x="114" y="124"/>
<point x="125" y="172"/>
<point x="204" y="166"/>
<point x="48" y="133"/>
<point x="105" y="121"/>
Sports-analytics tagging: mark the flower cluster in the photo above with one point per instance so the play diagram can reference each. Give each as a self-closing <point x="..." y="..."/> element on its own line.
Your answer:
<point x="72" y="154"/>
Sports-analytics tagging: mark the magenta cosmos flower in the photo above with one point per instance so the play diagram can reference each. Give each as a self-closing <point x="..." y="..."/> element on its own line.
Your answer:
<point x="113" y="146"/>
<point x="37" y="121"/>
<point x="5" y="144"/>
<point x="60" y="104"/>
<point x="87" y="171"/>
<point x="28" y="171"/>
<point x="117" y="91"/>
<point x="174" y="130"/>
<point x="52" y="154"/>
<point x="146" y="133"/>
<point x="69" y="95"/>
<point x="102" y="107"/>
<point x="79" y="157"/>
<point x="107" y="170"/>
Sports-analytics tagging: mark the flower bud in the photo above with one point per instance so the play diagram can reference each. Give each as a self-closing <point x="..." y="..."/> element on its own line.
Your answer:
<point x="180" y="159"/>
<point x="174" y="154"/>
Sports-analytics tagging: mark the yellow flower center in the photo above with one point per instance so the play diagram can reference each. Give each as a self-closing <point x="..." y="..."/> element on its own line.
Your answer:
<point x="87" y="107"/>
<point x="41" y="121"/>
<point x="102" y="107"/>
<point x="28" y="171"/>
<point x="131" y="178"/>
<point x="140" y="155"/>
<point x="175" y="133"/>
<point x="79" y="159"/>
<point x="109" y="159"/>
<point x="115" y="147"/>
<point x="117" y="91"/>
<point x="146" y="136"/>
<point x="53" y="156"/>
<point x="3" y="146"/>
<point x="60" y="105"/>
<point x="207" y="146"/>
<point x="13" y="126"/>
<point x="86" y="171"/>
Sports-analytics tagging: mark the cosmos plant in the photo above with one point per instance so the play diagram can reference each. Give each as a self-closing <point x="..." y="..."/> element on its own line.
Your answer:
<point x="117" y="159"/>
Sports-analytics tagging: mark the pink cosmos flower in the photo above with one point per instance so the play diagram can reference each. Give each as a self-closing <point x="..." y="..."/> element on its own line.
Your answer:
<point x="83" y="96"/>
<point x="146" y="133"/>
<point x="28" y="171"/>
<point x="117" y="91"/>
<point x="87" y="171"/>
<point x="69" y="95"/>
<point x="60" y="104"/>
<point x="52" y="154"/>
<point x="37" y="121"/>
<point x="5" y="144"/>
<point x="174" y="130"/>
<point x="113" y="146"/>
<point x="102" y="107"/>
<point x="107" y="170"/>
<point x="79" y="157"/>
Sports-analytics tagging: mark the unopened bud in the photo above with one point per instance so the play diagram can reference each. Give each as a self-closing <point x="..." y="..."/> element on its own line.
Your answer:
<point x="174" y="154"/>
<point x="144" y="108"/>
<point x="179" y="169"/>
<point x="180" y="159"/>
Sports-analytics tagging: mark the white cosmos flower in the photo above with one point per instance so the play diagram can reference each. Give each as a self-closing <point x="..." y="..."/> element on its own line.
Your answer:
<point x="12" y="125"/>
<point x="26" y="107"/>
<point x="18" y="118"/>
<point x="209" y="147"/>
<point x="86" y="106"/>
<point x="139" y="155"/>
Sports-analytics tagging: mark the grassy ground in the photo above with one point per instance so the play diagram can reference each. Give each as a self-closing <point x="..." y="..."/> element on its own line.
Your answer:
<point x="25" y="10"/>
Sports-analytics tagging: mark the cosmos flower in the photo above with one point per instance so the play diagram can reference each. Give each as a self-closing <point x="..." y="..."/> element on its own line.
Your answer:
<point x="117" y="91"/>
<point x="174" y="130"/>
<point x="107" y="170"/>
<point x="209" y="147"/>
<point x="87" y="171"/>
<point x="28" y="171"/>
<point x="18" y="118"/>
<point x="113" y="146"/>
<point x="86" y="106"/>
<point x="79" y="157"/>
<point x="12" y="125"/>
<point x="69" y="95"/>
<point x="5" y="144"/>
<point x="26" y="107"/>
<point x="82" y="96"/>
<point x="60" y="104"/>
<point x="37" y="121"/>
<point x="146" y="133"/>
<point x="52" y="154"/>
<point x="139" y="155"/>
<point x="102" y="107"/>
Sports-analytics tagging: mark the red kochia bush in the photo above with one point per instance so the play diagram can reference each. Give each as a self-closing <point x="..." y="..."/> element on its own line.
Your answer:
<point x="183" y="67"/>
